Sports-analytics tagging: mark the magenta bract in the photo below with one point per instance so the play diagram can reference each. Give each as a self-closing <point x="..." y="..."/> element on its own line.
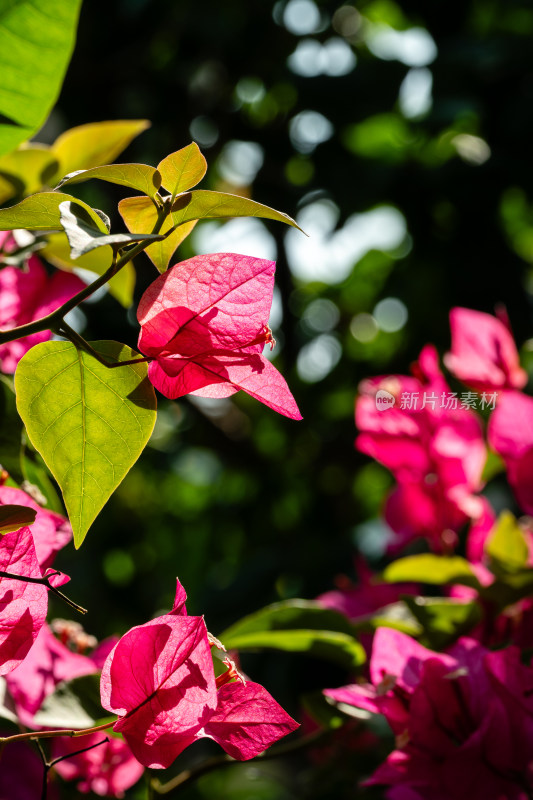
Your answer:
<point x="205" y="323"/>
<point x="483" y="354"/>
<point x="160" y="680"/>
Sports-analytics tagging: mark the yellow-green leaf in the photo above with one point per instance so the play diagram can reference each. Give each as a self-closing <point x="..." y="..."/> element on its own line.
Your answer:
<point x="90" y="423"/>
<point x="94" y="144"/>
<point x="25" y="171"/>
<point x="140" y="214"/>
<point x="183" y="169"/>
<point x="202" y="204"/>
<point x="121" y="285"/>
<point x="429" y="568"/>
<point x="507" y="546"/>
<point x="40" y="212"/>
<point x="137" y="176"/>
<point x="14" y="517"/>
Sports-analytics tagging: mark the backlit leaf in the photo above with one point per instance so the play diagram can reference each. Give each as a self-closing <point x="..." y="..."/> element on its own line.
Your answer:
<point x="90" y="423"/>
<point x="14" y="517"/>
<point x="84" y="237"/>
<point x="202" y="204"/>
<point x="183" y="169"/>
<point x="429" y="568"/>
<point x="140" y="214"/>
<point x="443" y="619"/>
<point x="92" y="145"/>
<point x="25" y="171"/>
<point x="36" y="42"/>
<point x="297" y="626"/>
<point x="137" y="176"/>
<point x="10" y="431"/>
<point x="40" y="212"/>
<point x="507" y="546"/>
<point x="121" y="285"/>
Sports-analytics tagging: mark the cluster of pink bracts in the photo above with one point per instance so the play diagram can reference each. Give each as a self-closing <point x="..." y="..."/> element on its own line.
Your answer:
<point x="463" y="719"/>
<point x="158" y="678"/>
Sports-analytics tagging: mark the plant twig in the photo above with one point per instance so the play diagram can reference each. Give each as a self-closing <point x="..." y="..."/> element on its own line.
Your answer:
<point x="35" y="735"/>
<point x="45" y="581"/>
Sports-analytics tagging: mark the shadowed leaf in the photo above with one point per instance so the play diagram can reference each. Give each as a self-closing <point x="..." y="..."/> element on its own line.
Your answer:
<point x="14" y="517"/>
<point x="137" y="176"/>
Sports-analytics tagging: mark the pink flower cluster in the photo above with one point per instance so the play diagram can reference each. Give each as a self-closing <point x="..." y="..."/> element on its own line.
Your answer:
<point x="462" y="719"/>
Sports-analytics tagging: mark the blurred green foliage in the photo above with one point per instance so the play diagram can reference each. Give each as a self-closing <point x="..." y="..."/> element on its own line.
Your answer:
<point x="425" y="110"/>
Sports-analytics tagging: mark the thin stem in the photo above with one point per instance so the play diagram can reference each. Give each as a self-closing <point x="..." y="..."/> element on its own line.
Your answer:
<point x="53" y="320"/>
<point x="45" y="581"/>
<point x="69" y="333"/>
<point x="76" y="753"/>
<point x="21" y="737"/>
<point x="218" y="762"/>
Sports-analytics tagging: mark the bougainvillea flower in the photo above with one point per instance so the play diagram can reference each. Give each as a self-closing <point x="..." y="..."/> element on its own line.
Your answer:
<point x="23" y="605"/>
<point x="510" y="434"/>
<point x="48" y="663"/>
<point x="205" y="324"/>
<point x="27" y="295"/>
<point x="483" y="353"/>
<point x="175" y="698"/>
<point x="456" y="736"/>
<point x="108" y="769"/>
<point x="50" y="531"/>
<point x="432" y="445"/>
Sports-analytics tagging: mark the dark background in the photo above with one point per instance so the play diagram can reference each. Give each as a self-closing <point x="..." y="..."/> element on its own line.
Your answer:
<point x="245" y="506"/>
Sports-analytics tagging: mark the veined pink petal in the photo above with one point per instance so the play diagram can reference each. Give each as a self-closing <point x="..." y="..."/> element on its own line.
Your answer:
<point x="23" y="606"/>
<point x="230" y="293"/>
<point x="483" y="353"/>
<point x="247" y="720"/>
<point x="50" y="531"/>
<point x="172" y="693"/>
<point x="253" y="374"/>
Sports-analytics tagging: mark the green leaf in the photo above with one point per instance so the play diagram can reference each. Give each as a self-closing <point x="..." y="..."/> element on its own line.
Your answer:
<point x="72" y="705"/>
<point x="84" y="237"/>
<point x="137" y="176"/>
<point x="507" y="546"/>
<point x="217" y="205"/>
<point x="36" y="42"/>
<point x="428" y="568"/>
<point x="92" y="145"/>
<point x="443" y="619"/>
<point x="25" y="171"/>
<point x="13" y="517"/>
<point x="10" y="431"/>
<point x="183" y="169"/>
<point x="395" y="615"/>
<point x="121" y="285"/>
<point x="298" y="626"/>
<point x="89" y="422"/>
<point x="7" y="706"/>
<point x="40" y="212"/>
<point x="140" y="214"/>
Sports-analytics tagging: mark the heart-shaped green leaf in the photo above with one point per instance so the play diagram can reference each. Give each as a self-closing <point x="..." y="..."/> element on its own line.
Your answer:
<point x="36" y="42"/>
<point x="40" y="212"/>
<point x="84" y="237"/>
<point x="183" y="169"/>
<point x="137" y="176"/>
<point x="14" y="517"/>
<point x="90" y="423"/>
<point x="139" y="214"/>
